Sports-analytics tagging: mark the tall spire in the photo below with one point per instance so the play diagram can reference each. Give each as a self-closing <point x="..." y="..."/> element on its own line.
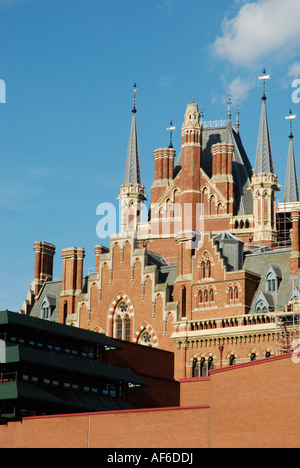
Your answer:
<point x="264" y="159"/>
<point x="132" y="173"/>
<point x="291" y="188"/>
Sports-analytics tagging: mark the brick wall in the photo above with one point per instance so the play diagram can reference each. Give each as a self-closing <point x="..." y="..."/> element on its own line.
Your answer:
<point x="160" y="428"/>
<point x="253" y="405"/>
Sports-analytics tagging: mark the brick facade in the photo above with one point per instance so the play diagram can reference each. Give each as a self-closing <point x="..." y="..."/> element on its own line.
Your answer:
<point x="169" y="282"/>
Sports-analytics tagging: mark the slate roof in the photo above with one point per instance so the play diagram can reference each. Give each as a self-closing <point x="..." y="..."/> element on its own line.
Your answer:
<point x="291" y="188"/>
<point x="242" y="170"/>
<point x="279" y="260"/>
<point x="132" y="173"/>
<point x="264" y="158"/>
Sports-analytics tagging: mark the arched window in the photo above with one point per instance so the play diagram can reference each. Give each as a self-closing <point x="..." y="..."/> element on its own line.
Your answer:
<point x="232" y="360"/>
<point x="203" y="368"/>
<point x="261" y="307"/>
<point x="183" y="301"/>
<point x="145" y="338"/>
<point x="271" y="283"/>
<point x="119" y="328"/>
<point x="65" y="311"/>
<point x="122" y="321"/>
<point x="205" y="265"/>
<point x="200" y="297"/>
<point x="233" y="292"/>
<point x="210" y="363"/>
<point x="195" y="367"/>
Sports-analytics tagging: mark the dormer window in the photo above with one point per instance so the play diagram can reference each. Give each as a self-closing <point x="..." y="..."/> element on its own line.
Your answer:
<point x="264" y="303"/>
<point x="271" y="283"/>
<point x="47" y="307"/>
<point x="273" y="278"/>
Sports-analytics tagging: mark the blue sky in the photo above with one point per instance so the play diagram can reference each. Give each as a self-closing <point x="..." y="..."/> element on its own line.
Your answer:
<point x="69" y="67"/>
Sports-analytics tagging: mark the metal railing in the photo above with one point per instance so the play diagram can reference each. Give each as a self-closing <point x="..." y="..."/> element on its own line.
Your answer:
<point x="8" y="377"/>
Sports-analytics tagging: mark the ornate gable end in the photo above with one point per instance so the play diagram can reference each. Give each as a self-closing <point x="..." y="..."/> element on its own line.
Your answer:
<point x="127" y="290"/>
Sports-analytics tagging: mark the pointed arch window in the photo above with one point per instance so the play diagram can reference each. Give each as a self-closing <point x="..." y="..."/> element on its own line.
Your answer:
<point x="205" y="266"/>
<point x="233" y="290"/>
<point x="122" y="326"/>
<point x="183" y="301"/>
<point x="205" y="295"/>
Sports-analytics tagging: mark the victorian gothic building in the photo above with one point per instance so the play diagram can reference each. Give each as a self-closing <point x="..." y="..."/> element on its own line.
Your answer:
<point x="212" y="275"/>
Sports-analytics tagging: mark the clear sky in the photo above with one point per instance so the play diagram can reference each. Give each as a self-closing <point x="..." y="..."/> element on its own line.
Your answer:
<point x="69" y="66"/>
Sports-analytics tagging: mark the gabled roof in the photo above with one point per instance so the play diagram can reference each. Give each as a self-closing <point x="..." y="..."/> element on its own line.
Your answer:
<point x="275" y="270"/>
<point x="266" y="298"/>
<point x="241" y="167"/>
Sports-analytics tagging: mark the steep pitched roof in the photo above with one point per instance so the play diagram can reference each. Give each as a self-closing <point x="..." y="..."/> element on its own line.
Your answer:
<point x="132" y="173"/>
<point x="264" y="158"/>
<point x="291" y="188"/>
<point x="242" y="170"/>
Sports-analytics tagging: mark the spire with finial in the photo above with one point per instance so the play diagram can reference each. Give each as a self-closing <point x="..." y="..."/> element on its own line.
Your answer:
<point x="264" y="158"/>
<point x="291" y="188"/>
<point x="134" y="97"/>
<point x="237" y="123"/>
<point x="229" y="106"/>
<point x="264" y="77"/>
<point x="201" y="114"/>
<point x="170" y="129"/>
<point x="132" y="173"/>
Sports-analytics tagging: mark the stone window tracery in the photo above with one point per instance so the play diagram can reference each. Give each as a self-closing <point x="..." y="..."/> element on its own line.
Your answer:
<point x="233" y="290"/>
<point x="205" y="295"/>
<point x="122" y="321"/>
<point x="205" y="265"/>
<point x="146" y="338"/>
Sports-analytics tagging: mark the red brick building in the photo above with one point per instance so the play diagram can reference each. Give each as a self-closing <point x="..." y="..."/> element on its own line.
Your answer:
<point x="212" y="275"/>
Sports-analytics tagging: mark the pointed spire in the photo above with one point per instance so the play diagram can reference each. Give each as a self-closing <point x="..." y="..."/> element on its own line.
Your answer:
<point x="132" y="173"/>
<point x="291" y="188"/>
<point x="264" y="158"/>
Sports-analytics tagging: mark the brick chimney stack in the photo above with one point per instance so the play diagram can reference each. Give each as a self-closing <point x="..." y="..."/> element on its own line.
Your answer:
<point x="295" y="255"/>
<point x="163" y="171"/>
<point x="43" y="264"/>
<point x="71" y="281"/>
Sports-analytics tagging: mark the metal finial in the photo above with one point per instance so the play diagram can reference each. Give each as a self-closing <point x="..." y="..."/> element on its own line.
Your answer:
<point x="201" y="113"/>
<point x="170" y="129"/>
<point x="193" y="96"/>
<point x="237" y="124"/>
<point x="134" y="97"/>
<point x="264" y="77"/>
<point x="229" y="106"/>
<point x="290" y="118"/>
